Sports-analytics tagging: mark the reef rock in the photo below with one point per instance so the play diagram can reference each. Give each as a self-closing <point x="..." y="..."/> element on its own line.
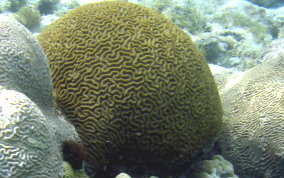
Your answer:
<point x="217" y="167"/>
<point x="268" y="4"/>
<point x="236" y="33"/>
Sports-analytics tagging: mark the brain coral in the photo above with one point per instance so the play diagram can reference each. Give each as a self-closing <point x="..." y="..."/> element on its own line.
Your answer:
<point x="28" y="144"/>
<point x="23" y="65"/>
<point x="129" y="80"/>
<point x="253" y="134"/>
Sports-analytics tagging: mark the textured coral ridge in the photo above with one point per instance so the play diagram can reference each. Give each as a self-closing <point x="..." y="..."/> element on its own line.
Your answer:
<point x="28" y="144"/>
<point x="23" y="65"/>
<point x="252" y="137"/>
<point x="31" y="130"/>
<point x="130" y="80"/>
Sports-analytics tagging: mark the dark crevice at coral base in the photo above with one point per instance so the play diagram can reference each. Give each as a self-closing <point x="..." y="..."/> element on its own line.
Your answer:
<point x="141" y="169"/>
<point x="140" y="164"/>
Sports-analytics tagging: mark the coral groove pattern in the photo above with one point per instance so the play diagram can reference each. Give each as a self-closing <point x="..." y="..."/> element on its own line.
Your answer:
<point x="252" y="136"/>
<point x="31" y="129"/>
<point x="23" y="64"/>
<point x="129" y="80"/>
<point x="28" y="143"/>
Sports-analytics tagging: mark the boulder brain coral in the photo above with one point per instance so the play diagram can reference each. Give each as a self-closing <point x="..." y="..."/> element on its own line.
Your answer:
<point x="252" y="136"/>
<point x="131" y="81"/>
<point x="28" y="143"/>
<point x="23" y="64"/>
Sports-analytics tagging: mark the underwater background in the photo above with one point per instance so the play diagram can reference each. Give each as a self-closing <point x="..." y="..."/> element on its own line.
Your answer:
<point x="243" y="43"/>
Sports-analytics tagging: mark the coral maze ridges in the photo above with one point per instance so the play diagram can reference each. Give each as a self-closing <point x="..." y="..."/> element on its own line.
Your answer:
<point x="252" y="136"/>
<point x="129" y="79"/>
